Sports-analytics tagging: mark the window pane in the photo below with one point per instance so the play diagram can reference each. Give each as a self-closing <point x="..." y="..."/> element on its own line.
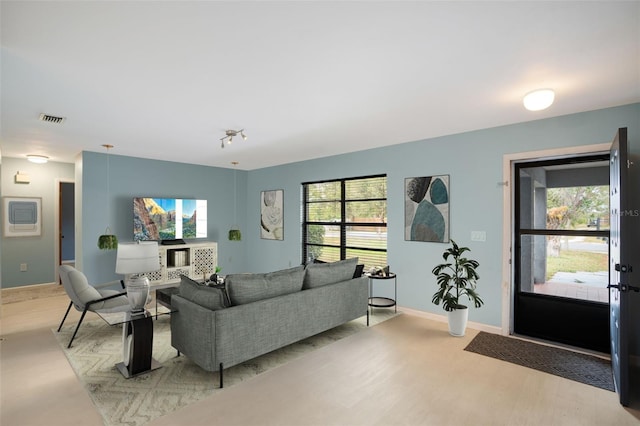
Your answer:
<point x="548" y="201"/>
<point x="578" y="207"/>
<point x="324" y="191"/>
<point x="367" y="211"/>
<point x="325" y="254"/>
<point x="367" y="236"/>
<point x="369" y="258"/>
<point x="324" y="212"/>
<point x="361" y="189"/>
<point x="565" y="266"/>
<point x="322" y="234"/>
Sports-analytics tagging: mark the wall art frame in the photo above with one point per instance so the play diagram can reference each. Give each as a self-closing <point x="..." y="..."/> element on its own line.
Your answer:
<point x="272" y="215"/>
<point x="426" y="209"/>
<point x="22" y="217"/>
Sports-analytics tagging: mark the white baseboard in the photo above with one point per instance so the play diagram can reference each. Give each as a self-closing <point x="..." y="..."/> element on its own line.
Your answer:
<point x="28" y="287"/>
<point x="443" y="318"/>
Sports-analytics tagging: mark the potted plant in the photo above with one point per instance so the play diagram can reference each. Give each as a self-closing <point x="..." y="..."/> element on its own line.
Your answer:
<point x="214" y="277"/>
<point x="455" y="279"/>
<point x="107" y="241"/>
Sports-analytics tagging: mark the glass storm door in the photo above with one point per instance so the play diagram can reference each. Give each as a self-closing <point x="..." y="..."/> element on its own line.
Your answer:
<point x="561" y="250"/>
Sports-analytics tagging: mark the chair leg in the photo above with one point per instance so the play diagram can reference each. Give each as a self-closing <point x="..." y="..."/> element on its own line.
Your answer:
<point x="65" y="315"/>
<point x="79" y="322"/>
<point x="221" y="381"/>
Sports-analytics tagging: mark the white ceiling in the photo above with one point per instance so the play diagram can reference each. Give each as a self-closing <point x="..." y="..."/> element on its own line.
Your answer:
<point x="305" y="79"/>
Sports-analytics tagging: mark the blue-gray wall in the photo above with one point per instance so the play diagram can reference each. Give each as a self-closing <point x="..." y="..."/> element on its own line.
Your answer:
<point x="37" y="252"/>
<point x="131" y="177"/>
<point x="474" y="161"/>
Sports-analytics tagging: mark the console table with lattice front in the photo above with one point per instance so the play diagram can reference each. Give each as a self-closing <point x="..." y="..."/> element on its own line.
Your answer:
<point x="196" y="261"/>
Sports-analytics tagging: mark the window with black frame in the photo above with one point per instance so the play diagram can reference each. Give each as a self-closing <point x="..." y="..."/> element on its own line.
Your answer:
<point x="345" y="218"/>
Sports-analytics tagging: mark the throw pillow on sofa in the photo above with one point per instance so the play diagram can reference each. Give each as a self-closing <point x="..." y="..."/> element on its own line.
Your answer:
<point x="207" y="297"/>
<point x="319" y="274"/>
<point x="247" y="288"/>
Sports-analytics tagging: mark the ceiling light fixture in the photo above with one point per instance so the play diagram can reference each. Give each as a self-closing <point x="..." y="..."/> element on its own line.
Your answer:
<point x="38" y="159"/>
<point x="229" y="136"/>
<point x="538" y="99"/>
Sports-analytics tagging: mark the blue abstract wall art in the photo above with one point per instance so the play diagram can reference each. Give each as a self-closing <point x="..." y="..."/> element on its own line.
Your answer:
<point x="22" y="217"/>
<point x="426" y="212"/>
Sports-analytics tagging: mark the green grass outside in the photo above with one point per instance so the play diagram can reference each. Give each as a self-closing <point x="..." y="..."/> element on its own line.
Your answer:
<point x="574" y="261"/>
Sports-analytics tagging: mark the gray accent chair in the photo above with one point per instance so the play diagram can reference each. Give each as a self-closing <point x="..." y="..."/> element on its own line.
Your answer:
<point x="85" y="297"/>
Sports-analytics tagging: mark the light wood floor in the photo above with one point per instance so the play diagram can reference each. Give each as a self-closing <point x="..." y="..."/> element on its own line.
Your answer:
<point x="406" y="371"/>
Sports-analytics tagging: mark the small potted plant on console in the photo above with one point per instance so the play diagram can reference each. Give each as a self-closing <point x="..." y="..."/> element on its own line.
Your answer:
<point x="455" y="279"/>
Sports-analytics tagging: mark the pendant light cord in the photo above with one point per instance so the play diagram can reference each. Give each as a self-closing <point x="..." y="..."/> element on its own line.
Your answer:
<point x="108" y="230"/>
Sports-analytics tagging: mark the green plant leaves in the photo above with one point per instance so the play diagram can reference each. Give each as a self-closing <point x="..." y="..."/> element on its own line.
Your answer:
<point x="456" y="279"/>
<point x="235" y="235"/>
<point x="107" y="242"/>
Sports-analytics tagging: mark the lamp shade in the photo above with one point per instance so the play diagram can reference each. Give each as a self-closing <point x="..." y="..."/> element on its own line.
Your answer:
<point x="136" y="258"/>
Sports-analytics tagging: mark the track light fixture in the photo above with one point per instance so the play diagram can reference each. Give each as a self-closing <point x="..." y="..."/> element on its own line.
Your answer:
<point x="229" y="136"/>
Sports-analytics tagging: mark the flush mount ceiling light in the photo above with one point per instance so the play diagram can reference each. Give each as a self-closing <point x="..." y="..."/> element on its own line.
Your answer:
<point x="229" y="136"/>
<point x="38" y="159"/>
<point x="538" y="99"/>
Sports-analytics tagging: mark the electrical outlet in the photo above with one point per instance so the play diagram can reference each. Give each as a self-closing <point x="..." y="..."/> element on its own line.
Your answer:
<point x="23" y="267"/>
<point x="478" y="236"/>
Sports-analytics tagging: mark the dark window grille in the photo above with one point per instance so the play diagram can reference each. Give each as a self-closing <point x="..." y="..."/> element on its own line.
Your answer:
<point x="345" y="218"/>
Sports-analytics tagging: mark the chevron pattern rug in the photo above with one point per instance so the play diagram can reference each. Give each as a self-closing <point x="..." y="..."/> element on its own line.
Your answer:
<point x="180" y="382"/>
<point x="575" y="366"/>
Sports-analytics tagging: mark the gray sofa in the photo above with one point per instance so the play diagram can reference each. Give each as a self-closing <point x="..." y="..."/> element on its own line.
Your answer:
<point x="259" y="313"/>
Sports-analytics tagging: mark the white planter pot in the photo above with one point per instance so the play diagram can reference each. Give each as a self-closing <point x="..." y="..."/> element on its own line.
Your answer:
<point x="458" y="321"/>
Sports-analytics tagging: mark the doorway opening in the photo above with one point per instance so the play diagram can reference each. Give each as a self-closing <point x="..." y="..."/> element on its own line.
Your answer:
<point x="65" y="225"/>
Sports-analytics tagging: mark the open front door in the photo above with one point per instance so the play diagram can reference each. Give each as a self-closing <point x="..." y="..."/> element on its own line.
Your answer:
<point x="619" y="267"/>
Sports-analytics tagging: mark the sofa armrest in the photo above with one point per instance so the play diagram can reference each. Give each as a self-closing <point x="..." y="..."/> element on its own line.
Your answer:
<point x="193" y="332"/>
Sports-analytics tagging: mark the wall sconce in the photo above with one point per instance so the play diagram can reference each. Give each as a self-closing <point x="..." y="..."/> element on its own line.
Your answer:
<point x="230" y="134"/>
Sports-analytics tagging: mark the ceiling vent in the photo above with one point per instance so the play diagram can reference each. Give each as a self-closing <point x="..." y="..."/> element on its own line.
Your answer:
<point x="51" y="119"/>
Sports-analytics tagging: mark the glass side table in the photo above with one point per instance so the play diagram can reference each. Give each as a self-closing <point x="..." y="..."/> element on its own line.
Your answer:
<point x="137" y="339"/>
<point x="383" y="302"/>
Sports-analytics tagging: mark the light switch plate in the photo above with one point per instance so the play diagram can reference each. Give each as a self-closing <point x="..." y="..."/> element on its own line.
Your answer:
<point x="478" y="236"/>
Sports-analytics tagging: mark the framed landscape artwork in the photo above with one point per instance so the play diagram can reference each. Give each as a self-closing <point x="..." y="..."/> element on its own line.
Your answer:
<point x="272" y="215"/>
<point x="426" y="209"/>
<point x="22" y="217"/>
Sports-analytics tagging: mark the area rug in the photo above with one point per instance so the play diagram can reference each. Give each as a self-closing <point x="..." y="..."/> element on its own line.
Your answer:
<point x="180" y="382"/>
<point x="579" y="367"/>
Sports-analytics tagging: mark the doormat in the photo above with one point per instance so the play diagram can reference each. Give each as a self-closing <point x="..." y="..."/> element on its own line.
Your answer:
<point x="578" y="367"/>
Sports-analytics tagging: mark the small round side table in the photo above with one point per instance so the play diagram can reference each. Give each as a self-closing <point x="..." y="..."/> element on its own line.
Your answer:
<point x="383" y="302"/>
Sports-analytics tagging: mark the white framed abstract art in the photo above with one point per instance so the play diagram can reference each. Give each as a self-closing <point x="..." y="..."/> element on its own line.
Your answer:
<point x="22" y="217"/>
<point x="272" y="215"/>
<point x="426" y="209"/>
